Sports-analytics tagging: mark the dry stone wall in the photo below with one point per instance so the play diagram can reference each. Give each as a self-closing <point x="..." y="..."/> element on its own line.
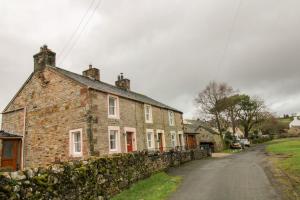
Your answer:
<point x="96" y="178"/>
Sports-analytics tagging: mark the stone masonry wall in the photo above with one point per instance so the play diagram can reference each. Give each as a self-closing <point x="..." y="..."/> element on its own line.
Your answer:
<point x="206" y="136"/>
<point x="131" y="116"/>
<point x="97" y="178"/>
<point x="13" y="122"/>
<point x="54" y="106"/>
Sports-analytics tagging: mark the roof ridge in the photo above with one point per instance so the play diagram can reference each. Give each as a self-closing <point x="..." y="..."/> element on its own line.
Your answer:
<point x="127" y="94"/>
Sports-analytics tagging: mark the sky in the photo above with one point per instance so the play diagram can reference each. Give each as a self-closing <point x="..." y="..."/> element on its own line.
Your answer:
<point x="170" y="49"/>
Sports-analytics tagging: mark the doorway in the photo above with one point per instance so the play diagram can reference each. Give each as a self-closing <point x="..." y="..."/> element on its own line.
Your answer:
<point x="129" y="141"/>
<point x="11" y="154"/>
<point x="160" y="142"/>
<point x="191" y="142"/>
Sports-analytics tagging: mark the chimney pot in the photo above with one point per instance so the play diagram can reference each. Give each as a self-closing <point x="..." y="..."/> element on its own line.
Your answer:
<point x="92" y="73"/>
<point x="122" y="82"/>
<point x="43" y="58"/>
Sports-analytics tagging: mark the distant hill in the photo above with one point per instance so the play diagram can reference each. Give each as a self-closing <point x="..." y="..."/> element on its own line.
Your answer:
<point x="285" y="121"/>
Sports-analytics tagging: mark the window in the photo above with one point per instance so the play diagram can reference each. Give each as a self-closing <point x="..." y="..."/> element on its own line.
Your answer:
<point x="148" y="114"/>
<point x="113" y="107"/>
<point x="150" y="138"/>
<point x="76" y="142"/>
<point x="173" y="139"/>
<point x="7" y="149"/>
<point x="181" y="139"/>
<point x="171" y="118"/>
<point x="114" y="139"/>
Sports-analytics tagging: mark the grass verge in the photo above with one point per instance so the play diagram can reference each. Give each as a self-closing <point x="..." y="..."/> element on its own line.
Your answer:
<point x="285" y="156"/>
<point x="158" y="187"/>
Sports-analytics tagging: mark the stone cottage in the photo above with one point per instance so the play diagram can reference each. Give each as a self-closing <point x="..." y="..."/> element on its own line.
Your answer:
<point x="58" y="115"/>
<point x="199" y="133"/>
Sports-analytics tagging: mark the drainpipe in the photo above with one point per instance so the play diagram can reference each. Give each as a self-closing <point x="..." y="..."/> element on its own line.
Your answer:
<point x="89" y="123"/>
<point x="23" y="139"/>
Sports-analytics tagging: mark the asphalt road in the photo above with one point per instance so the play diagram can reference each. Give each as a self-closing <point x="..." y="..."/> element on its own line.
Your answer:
<point x="237" y="177"/>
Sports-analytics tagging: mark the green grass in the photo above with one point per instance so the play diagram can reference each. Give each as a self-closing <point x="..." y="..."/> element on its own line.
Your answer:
<point x="288" y="151"/>
<point x="285" y="120"/>
<point x="157" y="187"/>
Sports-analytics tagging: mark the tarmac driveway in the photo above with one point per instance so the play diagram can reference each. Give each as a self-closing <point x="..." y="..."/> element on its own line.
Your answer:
<point x="236" y="177"/>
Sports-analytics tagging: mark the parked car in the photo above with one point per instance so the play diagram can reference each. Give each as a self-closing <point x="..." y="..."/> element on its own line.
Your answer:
<point x="245" y="142"/>
<point x="236" y="145"/>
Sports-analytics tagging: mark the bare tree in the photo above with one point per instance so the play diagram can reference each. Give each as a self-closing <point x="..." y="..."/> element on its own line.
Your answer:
<point x="209" y="101"/>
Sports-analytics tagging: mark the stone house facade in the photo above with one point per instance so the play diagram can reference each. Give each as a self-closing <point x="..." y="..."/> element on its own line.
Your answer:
<point x="58" y="115"/>
<point x="199" y="133"/>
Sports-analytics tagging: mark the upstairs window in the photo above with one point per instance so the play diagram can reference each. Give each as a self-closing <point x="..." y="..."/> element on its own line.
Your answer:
<point x="76" y="142"/>
<point x="113" y="107"/>
<point x="171" y="118"/>
<point x="148" y="114"/>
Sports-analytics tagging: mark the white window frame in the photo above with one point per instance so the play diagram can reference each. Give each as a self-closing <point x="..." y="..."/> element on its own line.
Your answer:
<point x="171" y="121"/>
<point x="118" y="139"/>
<point x="173" y="139"/>
<point x="71" y="143"/>
<point x="151" y="131"/>
<point x="117" y="111"/>
<point x="182" y="142"/>
<point x="150" y="120"/>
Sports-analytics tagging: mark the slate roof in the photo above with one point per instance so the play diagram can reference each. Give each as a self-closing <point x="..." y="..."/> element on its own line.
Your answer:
<point x="5" y="134"/>
<point x="105" y="87"/>
<point x="192" y="127"/>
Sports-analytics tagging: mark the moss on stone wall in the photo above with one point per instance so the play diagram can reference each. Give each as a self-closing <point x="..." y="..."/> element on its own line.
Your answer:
<point x="97" y="177"/>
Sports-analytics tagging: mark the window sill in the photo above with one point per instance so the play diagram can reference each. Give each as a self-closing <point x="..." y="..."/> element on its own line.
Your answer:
<point x="76" y="155"/>
<point x="113" y="117"/>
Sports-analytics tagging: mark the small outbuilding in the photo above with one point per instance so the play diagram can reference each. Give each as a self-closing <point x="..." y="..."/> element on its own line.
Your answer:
<point x="11" y="146"/>
<point x="200" y="134"/>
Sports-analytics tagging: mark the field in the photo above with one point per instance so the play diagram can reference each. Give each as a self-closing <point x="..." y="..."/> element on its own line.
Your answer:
<point x="285" y="159"/>
<point x="157" y="187"/>
<point x="289" y="151"/>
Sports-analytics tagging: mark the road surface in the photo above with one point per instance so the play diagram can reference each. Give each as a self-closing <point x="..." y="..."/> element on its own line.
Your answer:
<point x="236" y="177"/>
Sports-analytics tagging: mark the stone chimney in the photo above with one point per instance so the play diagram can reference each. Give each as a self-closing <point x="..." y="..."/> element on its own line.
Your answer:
<point x="92" y="73"/>
<point x="43" y="58"/>
<point x="122" y="82"/>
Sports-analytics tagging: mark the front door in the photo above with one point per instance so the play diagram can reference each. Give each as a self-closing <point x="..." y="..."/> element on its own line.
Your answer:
<point x="192" y="142"/>
<point x="160" y="142"/>
<point x="11" y="154"/>
<point x="129" y="141"/>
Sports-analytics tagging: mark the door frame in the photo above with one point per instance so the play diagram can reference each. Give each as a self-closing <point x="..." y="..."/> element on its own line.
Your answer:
<point x="180" y="134"/>
<point x="162" y="132"/>
<point x="134" y="142"/>
<point x="19" y="149"/>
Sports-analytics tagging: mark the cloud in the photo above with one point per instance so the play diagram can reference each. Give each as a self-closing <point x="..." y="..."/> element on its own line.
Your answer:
<point x="169" y="49"/>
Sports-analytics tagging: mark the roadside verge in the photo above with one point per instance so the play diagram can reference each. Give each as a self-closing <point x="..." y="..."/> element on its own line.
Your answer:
<point x="283" y="164"/>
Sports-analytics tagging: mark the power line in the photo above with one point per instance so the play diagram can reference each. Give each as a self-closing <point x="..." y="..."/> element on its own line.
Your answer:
<point x="230" y="34"/>
<point x="77" y="28"/>
<point x="73" y="42"/>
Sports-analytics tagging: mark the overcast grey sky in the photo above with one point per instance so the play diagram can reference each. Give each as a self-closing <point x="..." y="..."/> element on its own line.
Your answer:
<point x="170" y="49"/>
